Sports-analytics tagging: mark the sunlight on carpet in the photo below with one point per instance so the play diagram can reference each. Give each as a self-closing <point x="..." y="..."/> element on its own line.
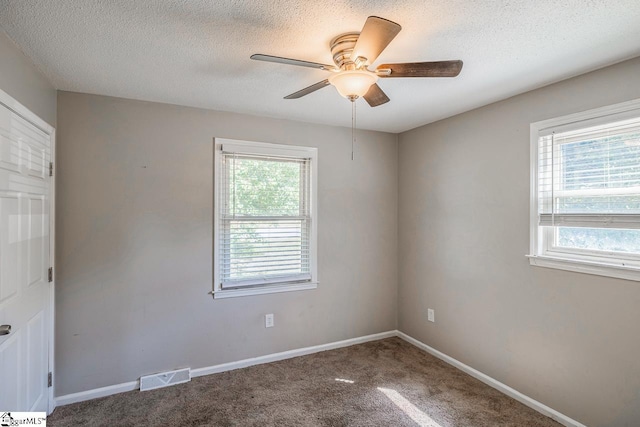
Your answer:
<point x="422" y="419"/>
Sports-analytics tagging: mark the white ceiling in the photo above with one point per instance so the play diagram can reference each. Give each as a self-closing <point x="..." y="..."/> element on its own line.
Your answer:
<point x="196" y="52"/>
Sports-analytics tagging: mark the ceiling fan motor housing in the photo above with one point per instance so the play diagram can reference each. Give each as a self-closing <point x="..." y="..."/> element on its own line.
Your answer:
<point x="341" y="49"/>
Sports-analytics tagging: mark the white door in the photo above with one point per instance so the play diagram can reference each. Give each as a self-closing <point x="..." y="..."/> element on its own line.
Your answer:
<point x="25" y="152"/>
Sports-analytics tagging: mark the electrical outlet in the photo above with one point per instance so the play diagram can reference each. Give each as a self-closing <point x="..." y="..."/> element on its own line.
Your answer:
<point x="431" y="315"/>
<point x="268" y="320"/>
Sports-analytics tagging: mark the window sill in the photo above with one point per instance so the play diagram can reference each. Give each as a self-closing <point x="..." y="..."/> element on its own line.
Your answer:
<point x="271" y="289"/>
<point x="587" y="267"/>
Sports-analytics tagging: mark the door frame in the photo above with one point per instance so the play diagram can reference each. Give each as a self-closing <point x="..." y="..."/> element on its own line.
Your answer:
<point x="16" y="107"/>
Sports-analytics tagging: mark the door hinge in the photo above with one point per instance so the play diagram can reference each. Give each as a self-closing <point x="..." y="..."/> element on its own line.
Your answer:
<point x="50" y="168"/>
<point x="50" y="274"/>
<point x="49" y="379"/>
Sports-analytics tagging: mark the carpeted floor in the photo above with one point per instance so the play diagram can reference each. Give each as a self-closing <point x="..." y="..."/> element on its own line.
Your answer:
<point x="381" y="383"/>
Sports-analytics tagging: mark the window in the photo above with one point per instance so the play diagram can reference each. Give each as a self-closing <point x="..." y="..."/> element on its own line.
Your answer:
<point x="585" y="210"/>
<point x="265" y="223"/>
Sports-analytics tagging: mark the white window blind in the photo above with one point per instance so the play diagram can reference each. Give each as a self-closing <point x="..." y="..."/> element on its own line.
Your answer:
<point x="265" y="221"/>
<point x="585" y="192"/>
<point x="590" y="176"/>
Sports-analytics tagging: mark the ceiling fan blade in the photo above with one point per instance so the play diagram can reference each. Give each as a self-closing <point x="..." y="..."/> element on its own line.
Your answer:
<point x="308" y="90"/>
<point x="421" y="69"/>
<point x="375" y="96"/>
<point x="289" y="61"/>
<point x="375" y="36"/>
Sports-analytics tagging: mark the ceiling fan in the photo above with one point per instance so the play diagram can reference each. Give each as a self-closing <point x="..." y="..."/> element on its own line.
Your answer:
<point x="354" y="52"/>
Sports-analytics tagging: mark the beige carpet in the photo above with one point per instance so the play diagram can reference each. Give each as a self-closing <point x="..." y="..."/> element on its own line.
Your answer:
<point x="381" y="383"/>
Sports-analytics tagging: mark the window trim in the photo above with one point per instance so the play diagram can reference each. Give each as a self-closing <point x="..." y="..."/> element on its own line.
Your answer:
<point x="542" y="253"/>
<point x="266" y="149"/>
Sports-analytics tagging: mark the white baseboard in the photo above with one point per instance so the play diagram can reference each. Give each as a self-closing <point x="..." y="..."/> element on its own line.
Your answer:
<point x="135" y="385"/>
<point x="289" y="354"/>
<point x="515" y="394"/>
<point x="526" y="400"/>
<point x="96" y="393"/>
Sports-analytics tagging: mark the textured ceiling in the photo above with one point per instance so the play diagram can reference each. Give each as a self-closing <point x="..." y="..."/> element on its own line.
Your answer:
<point x="196" y="52"/>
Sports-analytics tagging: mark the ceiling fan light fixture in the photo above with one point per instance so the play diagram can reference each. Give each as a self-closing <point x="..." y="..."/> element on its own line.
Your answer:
<point x="353" y="84"/>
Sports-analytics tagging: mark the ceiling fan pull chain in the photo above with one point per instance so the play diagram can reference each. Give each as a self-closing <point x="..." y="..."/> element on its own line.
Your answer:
<point x="353" y="126"/>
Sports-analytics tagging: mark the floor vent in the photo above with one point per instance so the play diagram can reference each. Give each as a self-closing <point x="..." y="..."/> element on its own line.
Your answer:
<point x="165" y="379"/>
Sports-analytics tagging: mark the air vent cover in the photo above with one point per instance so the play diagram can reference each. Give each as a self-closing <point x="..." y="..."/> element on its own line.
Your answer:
<point x="165" y="379"/>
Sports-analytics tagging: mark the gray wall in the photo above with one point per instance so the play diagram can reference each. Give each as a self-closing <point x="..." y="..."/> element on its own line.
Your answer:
<point x="569" y="340"/>
<point x="21" y="79"/>
<point x="134" y="250"/>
